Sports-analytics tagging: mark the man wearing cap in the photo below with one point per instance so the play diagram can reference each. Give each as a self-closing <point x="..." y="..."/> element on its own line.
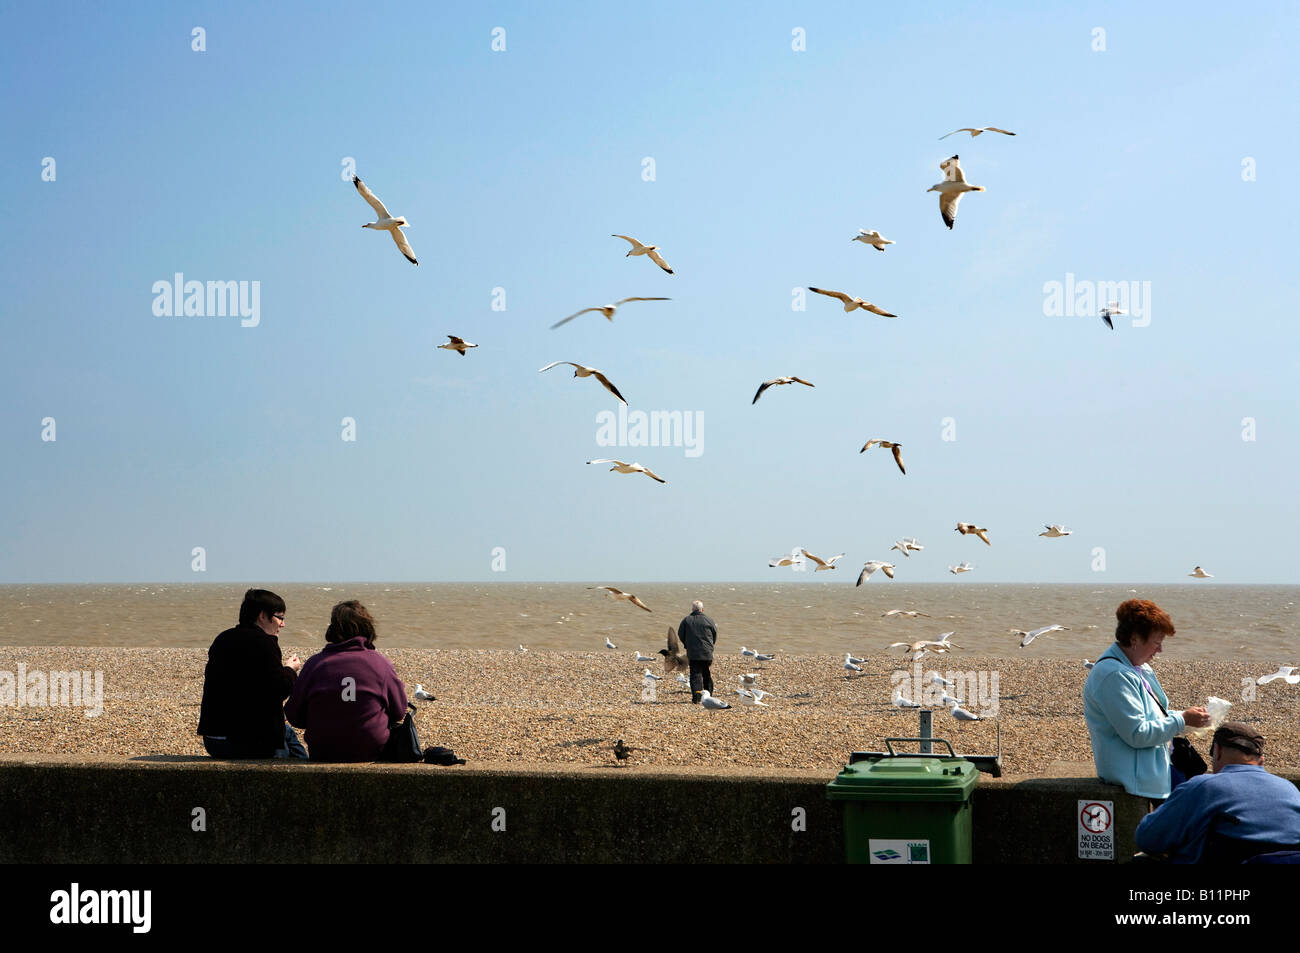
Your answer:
<point x="1238" y="807"/>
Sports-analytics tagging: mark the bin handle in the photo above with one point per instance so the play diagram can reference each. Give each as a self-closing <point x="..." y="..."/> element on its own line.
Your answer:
<point x="944" y="741"/>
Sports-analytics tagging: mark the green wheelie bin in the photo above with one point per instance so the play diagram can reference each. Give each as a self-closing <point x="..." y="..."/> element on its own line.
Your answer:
<point x="906" y="809"/>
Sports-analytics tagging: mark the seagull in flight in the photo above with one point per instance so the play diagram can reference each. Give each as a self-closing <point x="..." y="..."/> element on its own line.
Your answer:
<point x="456" y="344"/>
<point x="1111" y="310"/>
<point x="1030" y="636"/>
<point x="607" y="310"/>
<point x="622" y="467"/>
<point x="976" y="132"/>
<point x="1055" y="530"/>
<point x="872" y="238"/>
<point x="951" y="189"/>
<point x="583" y="371"/>
<point x="1289" y="673"/>
<point x="960" y="568"/>
<point x="822" y="564"/>
<point x="1200" y="573"/>
<point x="850" y="302"/>
<point x="910" y="613"/>
<point x="776" y="381"/>
<point x="967" y="528"/>
<point x="639" y="249"/>
<point x="674" y="656"/>
<point x="386" y="221"/>
<point x="907" y="545"/>
<point x="872" y="566"/>
<point x="793" y="559"/>
<point x="888" y="445"/>
<point x="619" y="594"/>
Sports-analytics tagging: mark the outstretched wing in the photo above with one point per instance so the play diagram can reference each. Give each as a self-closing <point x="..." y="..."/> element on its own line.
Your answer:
<point x="898" y="458"/>
<point x="403" y="245"/>
<point x="371" y="199"/>
<point x="955" y="131"/>
<point x="654" y="476"/>
<point x="609" y="385"/>
<point x="654" y="257"/>
<point x="880" y="311"/>
<point x="557" y="364"/>
<point x="832" y="294"/>
<point x="759" y="393"/>
<point x="626" y="300"/>
<point x="628" y="238"/>
<point x="948" y="207"/>
<point x="572" y="316"/>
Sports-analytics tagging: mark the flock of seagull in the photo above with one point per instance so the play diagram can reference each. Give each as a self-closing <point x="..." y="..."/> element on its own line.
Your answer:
<point x="950" y="190"/>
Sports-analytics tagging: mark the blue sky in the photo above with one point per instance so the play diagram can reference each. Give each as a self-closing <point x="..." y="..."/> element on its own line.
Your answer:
<point x="1159" y="159"/>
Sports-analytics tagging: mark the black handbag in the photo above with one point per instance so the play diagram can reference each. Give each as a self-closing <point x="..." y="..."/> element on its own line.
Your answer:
<point x="403" y="744"/>
<point x="1186" y="759"/>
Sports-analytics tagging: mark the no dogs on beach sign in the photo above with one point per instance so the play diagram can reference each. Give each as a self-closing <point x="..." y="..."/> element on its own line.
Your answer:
<point x="1096" y="830"/>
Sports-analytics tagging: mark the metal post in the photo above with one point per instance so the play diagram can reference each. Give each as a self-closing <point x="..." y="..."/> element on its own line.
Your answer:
<point x="926" y="731"/>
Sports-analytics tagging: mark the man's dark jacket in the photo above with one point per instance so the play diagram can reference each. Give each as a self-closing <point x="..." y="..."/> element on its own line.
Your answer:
<point x="244" y="688"/>
<point x="698" y="635"/>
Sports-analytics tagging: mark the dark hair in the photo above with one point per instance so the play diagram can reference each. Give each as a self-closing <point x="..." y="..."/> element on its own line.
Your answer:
<point x="1141" y="618"/>
<point x="257" y="601"/>
<point x="349" y="620"/>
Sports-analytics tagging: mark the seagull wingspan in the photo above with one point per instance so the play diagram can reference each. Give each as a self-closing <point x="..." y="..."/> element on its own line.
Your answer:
<point x="609" y="386"/>
<point x="371" y="199"/>
<point x="571" y="317"/>
<point x="403" y="245"/>
<point x="832" y="294"/>
<point x="557" y="364"/>
<point x="880" y="311"/>
<point x="626" y="300"/>
<point x="628" y="238"/>
<point x="654" y="257"/>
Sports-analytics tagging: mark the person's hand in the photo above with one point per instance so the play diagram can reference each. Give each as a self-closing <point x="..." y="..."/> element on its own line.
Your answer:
<point x="295" y="663"/>
<point x="1196" y="717"/>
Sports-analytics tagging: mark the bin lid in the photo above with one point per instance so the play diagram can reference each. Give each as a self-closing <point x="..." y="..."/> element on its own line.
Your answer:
<point x="905" y="779"/>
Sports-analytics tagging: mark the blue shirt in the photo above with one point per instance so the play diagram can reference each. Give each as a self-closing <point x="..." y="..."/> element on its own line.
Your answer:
<point x="1266" y="807"/>
<point x="1130" y="734"/>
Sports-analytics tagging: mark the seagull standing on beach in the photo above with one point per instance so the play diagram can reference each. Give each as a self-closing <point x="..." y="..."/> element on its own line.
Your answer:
<point x="639" y="249"/>
<point x="1055" y="531"/>
<point x="961" y="714"/>
<point x="872" y="238"/>
<point x="460" y="345"/>
<point x="896" y="447"/>
<point x="583" y="371"/>
<point x="644" y="658"/>
<point x="952" y="188"/>
<point x="760" y="657"/>
<point x="775" y="382"/>
<point x="968" y="528"/>
<point x="422" y="695"/>
<point x="386" y="221"/>
<point x="622" y="467"/>
<point x="649" y="676"/>
<point x="607" y="310"/>
<point x="609" y="644"/>
<point x="619" y="594"/>
<point x="1030" y="636"/>
<point x="747" y="652"/>
<point x="899" y="701"/>
<point x="711" y="703"/>
<point x="851" y="302"/>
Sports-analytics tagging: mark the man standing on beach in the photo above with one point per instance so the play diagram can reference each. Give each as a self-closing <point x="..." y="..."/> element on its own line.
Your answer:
<point x="245" y="685"/>
<point x="698" y="635"/>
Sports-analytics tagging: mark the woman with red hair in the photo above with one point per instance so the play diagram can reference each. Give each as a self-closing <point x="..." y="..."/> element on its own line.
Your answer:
<point x="1127" y="712"/>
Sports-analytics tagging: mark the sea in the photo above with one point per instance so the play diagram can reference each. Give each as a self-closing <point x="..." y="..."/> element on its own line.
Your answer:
<point x="805" y="617"/>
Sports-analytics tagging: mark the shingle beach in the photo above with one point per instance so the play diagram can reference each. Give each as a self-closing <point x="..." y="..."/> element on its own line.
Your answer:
<point x="569" y="708"/>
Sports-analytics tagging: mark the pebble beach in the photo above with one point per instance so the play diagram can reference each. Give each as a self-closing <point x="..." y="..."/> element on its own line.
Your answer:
<point x="568" y="708"/>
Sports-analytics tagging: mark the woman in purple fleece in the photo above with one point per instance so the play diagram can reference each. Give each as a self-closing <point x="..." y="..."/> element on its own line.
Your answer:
<point x="347" y="694"/>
